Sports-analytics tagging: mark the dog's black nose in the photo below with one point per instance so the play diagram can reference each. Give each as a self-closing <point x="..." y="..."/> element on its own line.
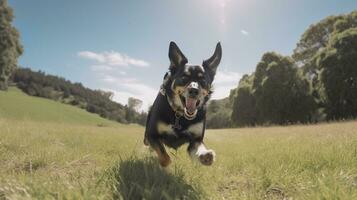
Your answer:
<point x="193" y="92"/>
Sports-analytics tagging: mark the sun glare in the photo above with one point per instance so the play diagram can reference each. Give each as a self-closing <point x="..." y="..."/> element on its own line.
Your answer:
<point x="221" y="7"/>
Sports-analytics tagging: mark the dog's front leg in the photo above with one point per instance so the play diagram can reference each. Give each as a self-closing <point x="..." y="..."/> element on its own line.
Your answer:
<point x="198" y="151"/>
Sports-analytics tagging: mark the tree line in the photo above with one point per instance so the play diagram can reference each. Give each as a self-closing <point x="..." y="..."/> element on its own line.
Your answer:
<point x="94" y="101"/>
<point x="318" y="82"/>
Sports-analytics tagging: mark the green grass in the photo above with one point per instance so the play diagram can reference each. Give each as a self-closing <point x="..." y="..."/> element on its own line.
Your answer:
<point x="46" y="153"/>
<point x="14" y="104"/>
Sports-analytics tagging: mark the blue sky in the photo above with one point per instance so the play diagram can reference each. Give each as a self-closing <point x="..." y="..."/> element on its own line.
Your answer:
<point x="122" y="46"/>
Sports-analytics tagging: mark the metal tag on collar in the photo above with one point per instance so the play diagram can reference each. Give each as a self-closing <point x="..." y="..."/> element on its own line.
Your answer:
<point x="177" y="125"/>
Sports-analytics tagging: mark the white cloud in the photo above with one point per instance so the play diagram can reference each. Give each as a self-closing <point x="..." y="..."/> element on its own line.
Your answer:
<point x="112" y="77"/>
<point x="109" y="59"/>
<point x="93" y="56"/>
<point x="227" y="77"/>
<point x="244" y="32"/>
<point x="224" y="82"/>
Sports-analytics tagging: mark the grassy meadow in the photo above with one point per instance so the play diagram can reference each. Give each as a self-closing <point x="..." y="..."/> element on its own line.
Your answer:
<point x="49" y="150"/>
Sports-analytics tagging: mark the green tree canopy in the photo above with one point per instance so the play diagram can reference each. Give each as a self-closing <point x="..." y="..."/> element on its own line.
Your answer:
<point x="282" y="95"/>
<point x="338" y="76"/>
<point x="317" y="36"/>
<point x="244" y="106"/>
<point x="10" y="47"/>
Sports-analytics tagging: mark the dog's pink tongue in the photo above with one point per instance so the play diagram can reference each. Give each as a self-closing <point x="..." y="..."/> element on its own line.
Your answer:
<point x="191" y="105"/>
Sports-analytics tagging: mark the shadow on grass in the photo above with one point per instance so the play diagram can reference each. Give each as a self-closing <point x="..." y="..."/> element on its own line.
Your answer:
<point x="145" y="179"/>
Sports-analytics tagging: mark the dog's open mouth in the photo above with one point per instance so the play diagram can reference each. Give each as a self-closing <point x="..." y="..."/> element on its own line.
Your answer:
<point x="190" y="105"/>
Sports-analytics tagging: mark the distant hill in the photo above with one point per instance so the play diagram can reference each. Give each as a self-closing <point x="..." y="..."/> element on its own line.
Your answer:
<point x="17" y="105"/>
<point x="59" y="89"/>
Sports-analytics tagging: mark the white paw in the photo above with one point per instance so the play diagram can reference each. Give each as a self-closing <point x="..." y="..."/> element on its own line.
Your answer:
<point x="207" y="157"/>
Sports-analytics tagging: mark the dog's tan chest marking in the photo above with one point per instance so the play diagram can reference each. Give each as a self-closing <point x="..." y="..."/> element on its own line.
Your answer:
<point x="163" y="128"/>
<point x="196" y="129"/>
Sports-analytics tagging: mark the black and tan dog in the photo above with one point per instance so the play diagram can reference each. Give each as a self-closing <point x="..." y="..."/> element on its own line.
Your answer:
<point x="178" y="114"/>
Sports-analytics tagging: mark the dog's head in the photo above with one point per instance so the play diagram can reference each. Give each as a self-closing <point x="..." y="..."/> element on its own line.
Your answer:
<point x="190" y="85"/>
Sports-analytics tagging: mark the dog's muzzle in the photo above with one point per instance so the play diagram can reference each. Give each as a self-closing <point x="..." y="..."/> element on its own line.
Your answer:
<point x="191" y="100"/>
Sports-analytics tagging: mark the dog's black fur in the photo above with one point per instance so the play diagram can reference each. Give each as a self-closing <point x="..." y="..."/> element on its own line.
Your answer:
<point x="178" y="114"/>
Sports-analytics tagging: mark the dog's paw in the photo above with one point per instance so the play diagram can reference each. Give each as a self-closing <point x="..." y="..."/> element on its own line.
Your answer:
<point x="207" y="158"/>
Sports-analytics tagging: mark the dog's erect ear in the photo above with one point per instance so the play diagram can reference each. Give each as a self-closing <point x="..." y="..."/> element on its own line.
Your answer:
<point x="176" y="57"/>
<point x="212" y="63"/>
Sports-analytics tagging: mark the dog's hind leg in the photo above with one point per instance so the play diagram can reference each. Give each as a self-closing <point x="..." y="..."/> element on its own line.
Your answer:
<point x="198" y="151"/>
<point x="155" y="143"/>
<point x="159" y="148"/>
<point x="164" y="158"/>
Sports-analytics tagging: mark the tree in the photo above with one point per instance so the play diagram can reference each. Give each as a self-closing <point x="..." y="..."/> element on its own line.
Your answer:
<point x="134" y="104"/>
<point x="244" y="106"/>
<point x="282" y="95"/>
<point x="338" y="75"/>
<point x="213" y="106"/>
<point x="107" y="94"/>
<point x="276" y="93"/>
<point x="10" y="47"/>
<point x="219" y="120"/>
<point x="313" y="45"/>
<point x="316" y="38"/>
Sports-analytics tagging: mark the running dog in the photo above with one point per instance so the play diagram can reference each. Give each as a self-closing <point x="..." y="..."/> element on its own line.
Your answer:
<point x="178" y="115"/>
